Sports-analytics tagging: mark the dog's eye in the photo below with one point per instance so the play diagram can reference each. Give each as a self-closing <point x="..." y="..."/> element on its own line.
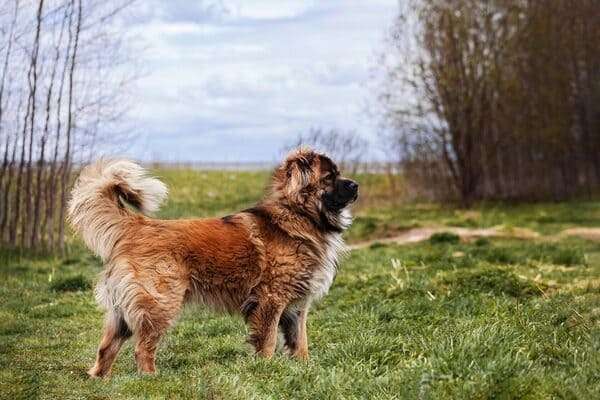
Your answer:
<point x="327" y="178"/>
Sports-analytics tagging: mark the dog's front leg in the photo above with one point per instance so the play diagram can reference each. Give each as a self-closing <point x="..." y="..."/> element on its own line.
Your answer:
<point x="301" y="350"/>
<point x="263" y="327"/>
<point x="293" y="326"/>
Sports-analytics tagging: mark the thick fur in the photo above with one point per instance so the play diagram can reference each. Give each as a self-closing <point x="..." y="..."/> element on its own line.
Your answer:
<point x="267" y="263"/>
<point x="97" y="212"/>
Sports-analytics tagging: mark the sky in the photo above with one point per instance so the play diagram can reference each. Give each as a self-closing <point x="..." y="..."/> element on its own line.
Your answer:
<point x="235" y="81"/>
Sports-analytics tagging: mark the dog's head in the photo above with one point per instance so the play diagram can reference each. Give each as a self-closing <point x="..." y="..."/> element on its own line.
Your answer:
<point x="311" y="182"/>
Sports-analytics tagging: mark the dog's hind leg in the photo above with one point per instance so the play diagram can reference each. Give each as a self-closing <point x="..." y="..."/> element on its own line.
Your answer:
<point x="147" y="339"/>
<point x="116" y="332"/>
<point x="153" y="318"/>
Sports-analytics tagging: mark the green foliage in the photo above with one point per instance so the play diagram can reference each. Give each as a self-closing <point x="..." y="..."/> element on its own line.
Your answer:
<point x="492" y="281"/>
<point x="392" y="219"/>
<point x="209" y="193"/>
<point x="435" y="325"/>
<point x="562" y="253"/>
<point x="444" y="237"/>
<point x="71" y="284"/>
<point x="364" y="226"/>
<point x="377" y="245"/>
<point x="482" y="241"/>
<point x="493" y="319"/>
<point x="568" y="255"/>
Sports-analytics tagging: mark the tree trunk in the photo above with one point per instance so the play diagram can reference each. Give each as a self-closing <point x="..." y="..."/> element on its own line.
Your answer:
<point x="67" y="158"/>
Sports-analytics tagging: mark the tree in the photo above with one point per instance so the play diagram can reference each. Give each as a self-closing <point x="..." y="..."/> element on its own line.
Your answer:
<point x="60" y="81"/>
<point x="502" y="95"/>
<point x="347" y="148"/>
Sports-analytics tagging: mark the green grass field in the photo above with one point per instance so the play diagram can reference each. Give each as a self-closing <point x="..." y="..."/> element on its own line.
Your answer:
<point x="441" y="319"/>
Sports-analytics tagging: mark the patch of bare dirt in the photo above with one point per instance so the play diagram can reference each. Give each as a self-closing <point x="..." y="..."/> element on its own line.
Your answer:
<point x="415" y="235"/>
<point x="419" y="234"/>
<point x="585" y="233"/>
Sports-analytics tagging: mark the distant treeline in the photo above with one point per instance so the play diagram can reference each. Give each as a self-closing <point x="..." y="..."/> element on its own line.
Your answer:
<point x="496" y="99"/>
<point x="354" y="167"/>
<point x="57" y="87"/>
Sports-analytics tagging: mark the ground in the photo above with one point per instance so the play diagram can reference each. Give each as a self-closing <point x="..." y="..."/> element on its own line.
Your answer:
<point x="496" y="317"/>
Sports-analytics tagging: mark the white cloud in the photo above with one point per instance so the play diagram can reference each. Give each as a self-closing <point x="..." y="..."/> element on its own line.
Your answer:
<point x="231" y="73"/>
<point x="267" y="9"/>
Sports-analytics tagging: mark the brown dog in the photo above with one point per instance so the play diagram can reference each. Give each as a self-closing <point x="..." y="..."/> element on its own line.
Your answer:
<point x="268" y="262"/>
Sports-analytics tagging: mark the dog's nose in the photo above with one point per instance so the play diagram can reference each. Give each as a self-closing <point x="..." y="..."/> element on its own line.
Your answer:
<point x="352" y="186"/>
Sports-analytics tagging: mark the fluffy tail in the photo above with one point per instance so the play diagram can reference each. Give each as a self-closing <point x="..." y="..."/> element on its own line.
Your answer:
<point x="96" y="208"/>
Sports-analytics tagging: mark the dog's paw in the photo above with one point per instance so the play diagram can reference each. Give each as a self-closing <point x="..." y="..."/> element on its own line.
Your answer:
<point x="146" y="372"/>
<point x="96" y="373"/>
<point x="301" y="355"/>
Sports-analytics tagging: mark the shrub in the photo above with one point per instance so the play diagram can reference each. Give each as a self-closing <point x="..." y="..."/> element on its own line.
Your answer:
<point x="482" y="241"/>
<point x="365" y="225"/>
<point x="569" y="257"/>
<point x="444" y="237"/>
<point x="558" y="254"/>
<point x="73" y="283"/>
<point x="498" y="255"/>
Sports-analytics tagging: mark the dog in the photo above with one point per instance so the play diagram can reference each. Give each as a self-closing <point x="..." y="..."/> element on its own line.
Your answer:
<point x="267" y="263"/>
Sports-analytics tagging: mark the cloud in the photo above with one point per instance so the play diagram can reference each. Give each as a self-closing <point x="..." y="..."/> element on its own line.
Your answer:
<point x="237" y="78"/>
<point x="267" y="9"/>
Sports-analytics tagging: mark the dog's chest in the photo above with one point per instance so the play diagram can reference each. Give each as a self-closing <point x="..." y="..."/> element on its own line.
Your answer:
<point x="324" y="274"/>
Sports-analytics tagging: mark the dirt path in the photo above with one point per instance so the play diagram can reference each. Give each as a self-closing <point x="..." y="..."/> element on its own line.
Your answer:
<point x="419" y="234"/>
<point x="585" y="233"/>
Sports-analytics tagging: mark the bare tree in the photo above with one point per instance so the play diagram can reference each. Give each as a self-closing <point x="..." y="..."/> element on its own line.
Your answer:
<point x="33" y="84"/>
<point x="4" y="169"/>
<point x="61" y="89"/>
<point x="52" y="187"/>
<point x="38" y="212"/>
<point x="5" y="205"/>
<point x="503" y="96"/>
<point x="346" y="147"/>
<point x="66" y="167"/>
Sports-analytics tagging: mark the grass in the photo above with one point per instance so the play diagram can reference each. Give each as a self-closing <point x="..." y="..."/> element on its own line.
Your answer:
<point x="377" y="213"/>
<point x="444" y="237"/>
<point x="71" y="284"/>
<point x="545" y="218"/>
<point x="495" y="318"/>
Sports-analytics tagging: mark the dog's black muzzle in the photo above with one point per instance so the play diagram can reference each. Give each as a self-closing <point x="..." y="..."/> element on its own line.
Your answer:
<point x="344" y="193"/>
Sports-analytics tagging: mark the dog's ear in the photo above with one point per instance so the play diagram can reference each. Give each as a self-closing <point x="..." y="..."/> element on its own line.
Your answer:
<point x="299" y="167"/>
<point x="297" y="174"/>
<point x="327" y="166"/>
